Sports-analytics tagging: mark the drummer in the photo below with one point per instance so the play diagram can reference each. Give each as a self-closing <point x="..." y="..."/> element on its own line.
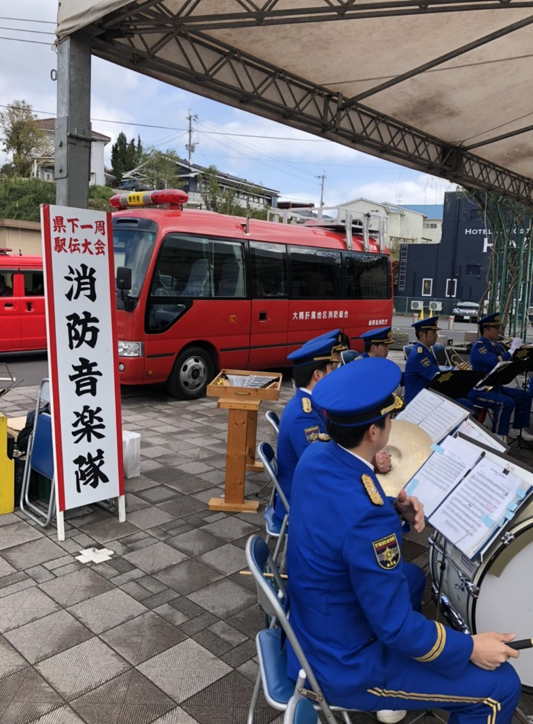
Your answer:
<point x="377" y="342"/>
<point x="354" y="601"/>
<point x="422" y="366"/>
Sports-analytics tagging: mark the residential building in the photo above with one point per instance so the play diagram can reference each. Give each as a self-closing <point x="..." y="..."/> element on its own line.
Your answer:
<point x="43" y="165"/>
<point x="22" y="237"/>
<point x="432" y="224"/>
<point x="247" y="193"/>
<point x="403" y="225"/>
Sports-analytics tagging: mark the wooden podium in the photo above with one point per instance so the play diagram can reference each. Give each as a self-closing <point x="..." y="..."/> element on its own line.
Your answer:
<point x="243" y="404"/>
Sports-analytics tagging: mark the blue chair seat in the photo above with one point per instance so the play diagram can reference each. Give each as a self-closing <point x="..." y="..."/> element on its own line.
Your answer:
<point x="273" y="523"/>
<point x="273" y="658"/>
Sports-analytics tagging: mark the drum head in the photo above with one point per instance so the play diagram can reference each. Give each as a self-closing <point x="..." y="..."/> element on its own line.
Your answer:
<point x="505" y="602"/>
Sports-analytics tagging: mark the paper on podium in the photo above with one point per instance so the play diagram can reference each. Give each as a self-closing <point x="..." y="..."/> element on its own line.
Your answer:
<point x="434" y="413"/>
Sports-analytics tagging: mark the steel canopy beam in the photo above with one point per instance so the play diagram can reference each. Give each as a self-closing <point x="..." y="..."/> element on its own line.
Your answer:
<point x="218" y="71"/>
<point x="152" y="15"/>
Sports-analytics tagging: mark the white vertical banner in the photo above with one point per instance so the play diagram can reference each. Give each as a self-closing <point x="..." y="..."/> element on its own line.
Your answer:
<point x="82" y="356"/>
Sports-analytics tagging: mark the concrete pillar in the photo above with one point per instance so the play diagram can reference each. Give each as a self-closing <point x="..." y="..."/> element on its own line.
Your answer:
<point x="73" y="124"/>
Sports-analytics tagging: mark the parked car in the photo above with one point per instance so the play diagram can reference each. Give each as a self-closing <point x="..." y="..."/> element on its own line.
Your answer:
<point x="133" y="184"/>
<point x="466" y="311"/>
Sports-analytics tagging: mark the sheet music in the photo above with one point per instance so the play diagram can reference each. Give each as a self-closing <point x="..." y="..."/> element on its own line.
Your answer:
<point x="475" y="432"/>
<point x="477" y="507"/>
<point x="434" y="414"/>
<point x="441" y="472"/>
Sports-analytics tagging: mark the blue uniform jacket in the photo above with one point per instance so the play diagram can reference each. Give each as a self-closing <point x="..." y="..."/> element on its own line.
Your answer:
<point x="298" y="429"/>
<point x="349" y="598"/>
<point x="485" y="355"/>
<point x="420" y="368"/>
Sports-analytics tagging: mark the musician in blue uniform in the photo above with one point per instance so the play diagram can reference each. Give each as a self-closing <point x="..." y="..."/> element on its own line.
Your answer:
<point x="303" y="422"/>
<point x="422" y="365"/>
<point x="351" y="595"/>
<point x="377" y="342"/>
<point x="485" y="355"/>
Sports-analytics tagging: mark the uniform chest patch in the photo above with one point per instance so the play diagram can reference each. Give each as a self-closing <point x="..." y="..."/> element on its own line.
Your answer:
<point x="306" y="404"/>
<point x="425" y="362"/>
<point x="312" y="434"/>
<point x="387" y="551"/>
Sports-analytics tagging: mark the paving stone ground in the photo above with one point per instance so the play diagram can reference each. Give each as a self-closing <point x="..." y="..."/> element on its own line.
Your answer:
<point x="164" y="632"/>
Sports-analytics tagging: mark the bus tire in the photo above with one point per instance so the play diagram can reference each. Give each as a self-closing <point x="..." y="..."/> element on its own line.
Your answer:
<point x="192" y="372"/>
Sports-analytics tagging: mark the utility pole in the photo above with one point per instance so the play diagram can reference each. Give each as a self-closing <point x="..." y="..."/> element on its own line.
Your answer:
<point x="191" y="146"/>
<point x="323" y="177"/>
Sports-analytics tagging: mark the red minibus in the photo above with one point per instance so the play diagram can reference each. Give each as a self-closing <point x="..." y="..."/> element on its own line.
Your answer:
<point x="22" y="315"/>
<point x="210" y="291"/>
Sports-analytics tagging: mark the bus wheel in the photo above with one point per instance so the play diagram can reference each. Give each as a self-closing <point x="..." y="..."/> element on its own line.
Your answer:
<point x="192" y="372"/>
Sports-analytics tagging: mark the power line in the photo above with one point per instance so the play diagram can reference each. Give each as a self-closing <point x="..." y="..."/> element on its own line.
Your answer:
<point x="29" y="20"/>
<point x="21" y="30"/>
<point x="21" y="40"/>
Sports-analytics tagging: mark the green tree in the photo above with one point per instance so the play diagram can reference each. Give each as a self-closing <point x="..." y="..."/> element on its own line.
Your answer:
<point x="21" y="136"/>
<point x="125" y="155"/>
<point x="159" y="170"/>
<point x="21" y="198"/>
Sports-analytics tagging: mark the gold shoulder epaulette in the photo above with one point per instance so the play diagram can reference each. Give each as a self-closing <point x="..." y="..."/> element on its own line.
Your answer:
<point x="306" y="404"/>
<point x="373" y="492"/>
<point x="322" y="436"/>
<point x="420" y="350"/>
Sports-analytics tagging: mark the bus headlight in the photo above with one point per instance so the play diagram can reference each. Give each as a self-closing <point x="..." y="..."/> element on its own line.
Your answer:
<point x="130" y="349"/>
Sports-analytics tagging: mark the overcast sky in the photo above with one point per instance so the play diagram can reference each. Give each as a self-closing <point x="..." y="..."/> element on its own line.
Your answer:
<point x="266" y="152"/>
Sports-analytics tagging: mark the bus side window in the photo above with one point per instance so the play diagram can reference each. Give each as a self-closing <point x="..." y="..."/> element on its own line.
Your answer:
<point x="33" y="284"/>
<point x="269" y="270"/>
<point x="367" y="276"/>
<point x="228" y="269"/>
<point x="316" y="273"/>
<point x="6" y="283"/>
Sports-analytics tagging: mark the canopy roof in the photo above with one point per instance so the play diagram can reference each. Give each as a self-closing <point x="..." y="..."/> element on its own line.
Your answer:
<point x="443" y="86"/>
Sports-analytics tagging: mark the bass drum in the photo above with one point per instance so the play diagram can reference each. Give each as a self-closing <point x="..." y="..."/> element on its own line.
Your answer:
<point x="504" y="583"/>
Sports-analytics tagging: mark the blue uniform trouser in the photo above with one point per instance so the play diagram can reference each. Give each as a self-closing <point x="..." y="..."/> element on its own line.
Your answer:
<point x="503" y="400"/>
<point x="417" y="584"/>
<point x="475" y="697"/>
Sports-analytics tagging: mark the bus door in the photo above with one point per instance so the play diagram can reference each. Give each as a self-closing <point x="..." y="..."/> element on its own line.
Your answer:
<point x="197" y="297"/>
<point x="270" y="305"/>
<point x="32" y="314"/>
<point x="9" y="312"/>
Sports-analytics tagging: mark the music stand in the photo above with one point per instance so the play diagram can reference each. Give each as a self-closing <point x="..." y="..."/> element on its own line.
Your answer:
<point x="455" y="383"/>
<point x="502" y="374"/>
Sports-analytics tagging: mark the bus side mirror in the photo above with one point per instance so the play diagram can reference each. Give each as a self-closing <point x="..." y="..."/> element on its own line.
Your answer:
<point x="124" y="278"/>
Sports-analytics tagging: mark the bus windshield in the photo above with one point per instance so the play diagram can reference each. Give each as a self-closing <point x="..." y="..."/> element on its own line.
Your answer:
<point x="133" y="245"/>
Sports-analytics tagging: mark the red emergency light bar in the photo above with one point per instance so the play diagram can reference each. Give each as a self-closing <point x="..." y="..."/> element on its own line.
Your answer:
<point x="170" y="197"/>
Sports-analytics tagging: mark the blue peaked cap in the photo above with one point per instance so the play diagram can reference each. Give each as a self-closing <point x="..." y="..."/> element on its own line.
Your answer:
<point x="429" y="323"/>
<point x="318" y="349"/>
<point x="375" y="380"/>
<point x="378" y="336"/>
<point x="491" y="320"/>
